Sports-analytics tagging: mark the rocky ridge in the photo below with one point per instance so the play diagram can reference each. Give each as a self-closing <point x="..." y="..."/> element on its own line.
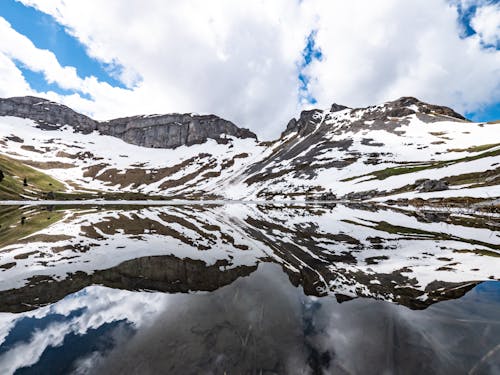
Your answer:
<point x="156" y="131"/>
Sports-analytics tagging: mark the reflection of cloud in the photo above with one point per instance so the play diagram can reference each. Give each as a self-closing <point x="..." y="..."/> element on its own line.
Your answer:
<point x="6" y="324"/>
<point x="254" y="324"/>
<point x="101" y="306"/>
<point x="27" y="354"/>
<point x="380" y="338"/>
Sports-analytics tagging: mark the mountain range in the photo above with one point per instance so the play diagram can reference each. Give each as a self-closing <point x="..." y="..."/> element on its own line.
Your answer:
<point x="402" y="151"/>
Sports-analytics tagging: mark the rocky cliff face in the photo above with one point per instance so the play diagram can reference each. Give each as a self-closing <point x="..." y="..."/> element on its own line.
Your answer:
<point x="172" y="130"/>
<point x="158" y="131"/>
<point x="341" y="137"/>
<point x="388" y="115"/>
<point x="49" y="115"/>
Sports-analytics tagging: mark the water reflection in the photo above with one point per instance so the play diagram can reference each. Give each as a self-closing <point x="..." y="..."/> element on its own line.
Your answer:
<point x="257" y="324"/>
<point x="404" y="257"/>
<point x="248" y="289"/>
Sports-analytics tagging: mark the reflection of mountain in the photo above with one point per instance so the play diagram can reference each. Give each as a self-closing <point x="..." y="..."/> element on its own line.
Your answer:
<point x="408" y="258"/>
<point x="361" y="264"/>
<point x="159" y="273"/>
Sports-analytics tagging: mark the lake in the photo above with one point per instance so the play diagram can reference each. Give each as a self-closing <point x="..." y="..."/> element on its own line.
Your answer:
<point x="255" y="288"/>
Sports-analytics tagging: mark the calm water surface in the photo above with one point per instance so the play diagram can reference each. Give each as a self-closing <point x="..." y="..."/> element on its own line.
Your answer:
<point x="248" y="289"/>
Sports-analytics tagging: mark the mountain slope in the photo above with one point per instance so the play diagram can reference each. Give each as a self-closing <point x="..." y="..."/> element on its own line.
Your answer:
<point x="402" y="149"/>
<point x="378" y="151"/>
<point x="94" y="162"/>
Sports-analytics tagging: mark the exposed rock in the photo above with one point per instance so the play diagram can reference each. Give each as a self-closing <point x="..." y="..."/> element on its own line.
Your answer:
<point x="162" y="273"/>
<point x="401" y="107"/>
<point x="48" y="115"/>
<point x="433" y="216"/>
<point x="173" y="130"/>
<point x="361" y="195"/>
<point x="337" y="107"/>
<point x="427" y="185"/>
<point x="14" y="138"/>
<point x="305" y="124"/>
<point x="370" y="142"/>
<point x="161" y="131"/>
<point x="328" y="196"/>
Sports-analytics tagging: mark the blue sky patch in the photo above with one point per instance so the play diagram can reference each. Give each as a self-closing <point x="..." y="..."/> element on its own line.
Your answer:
<point x="38" y="83"/>
<point x="464" y="18"/>
<point x="46" y="33"/>
<point x="310" y="53"/>
<point x="488" y="113"/>
<point x="465" y="15"/>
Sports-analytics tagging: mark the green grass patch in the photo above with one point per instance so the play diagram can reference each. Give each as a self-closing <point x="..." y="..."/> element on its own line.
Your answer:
<point x="411" y="233"/>
<point x="474" y="148"/>
<point x="394" y="171"/>
<point x="15" y="171"/>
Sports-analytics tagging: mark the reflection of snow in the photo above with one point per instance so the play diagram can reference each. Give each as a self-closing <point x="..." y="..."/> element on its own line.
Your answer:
<point x="300" y="239"/>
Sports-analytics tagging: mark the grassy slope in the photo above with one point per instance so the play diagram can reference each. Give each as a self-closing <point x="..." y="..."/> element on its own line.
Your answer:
<point x="39" y="184"/>
<point x="394" y="171"/>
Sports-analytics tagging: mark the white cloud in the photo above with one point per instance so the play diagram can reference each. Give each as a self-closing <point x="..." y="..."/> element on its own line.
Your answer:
<point x="486" y="22"/>
<point x="12" y="82"/>
<point x="240" y="59"/>
<point x="230" y="58"/>
<point x="378" y="51"/>
<point x="18" y="47"/>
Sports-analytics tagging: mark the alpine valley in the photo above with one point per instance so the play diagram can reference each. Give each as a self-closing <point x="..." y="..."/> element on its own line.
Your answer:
<point x="402" y="151"/>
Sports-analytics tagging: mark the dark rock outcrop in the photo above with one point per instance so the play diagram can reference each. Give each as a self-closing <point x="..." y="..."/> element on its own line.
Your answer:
<point x="160" y="131"/>
<point x="308" y="120"/>
<point x="408" y="105"/>
<point x="49" y="115"/>
<point x="305" y="124"/>
<point x="427" y="185"/>
<point x="361" y="195"/>
<point x="400" y="108"/>
<point x="173" y="130"/>
<point x="337" y="107"/>
<point x="327" y="196"/>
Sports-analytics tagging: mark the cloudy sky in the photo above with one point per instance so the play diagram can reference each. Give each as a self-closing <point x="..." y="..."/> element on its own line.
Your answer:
<point x="256" y="63"/>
